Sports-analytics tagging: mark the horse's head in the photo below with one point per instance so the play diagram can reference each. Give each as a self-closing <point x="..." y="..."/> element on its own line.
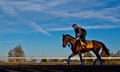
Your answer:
<point x="66" y="39"/>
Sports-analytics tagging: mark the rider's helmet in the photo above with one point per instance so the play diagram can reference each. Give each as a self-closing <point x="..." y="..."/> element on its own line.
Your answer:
<point x="74" y="25"/>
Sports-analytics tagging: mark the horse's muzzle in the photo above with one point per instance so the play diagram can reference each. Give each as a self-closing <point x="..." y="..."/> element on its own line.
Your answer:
<point x="63" y="46"/>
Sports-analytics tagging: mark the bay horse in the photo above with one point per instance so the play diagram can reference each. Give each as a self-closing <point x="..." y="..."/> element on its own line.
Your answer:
<point x="77" y="50"/>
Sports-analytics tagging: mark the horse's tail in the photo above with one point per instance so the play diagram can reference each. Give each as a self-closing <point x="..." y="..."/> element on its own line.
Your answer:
<point x="105" y="51"/>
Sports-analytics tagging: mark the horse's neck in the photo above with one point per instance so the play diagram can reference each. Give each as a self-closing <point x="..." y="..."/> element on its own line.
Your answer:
<point x="73" y="47"/>
<point x="72" y="41"/>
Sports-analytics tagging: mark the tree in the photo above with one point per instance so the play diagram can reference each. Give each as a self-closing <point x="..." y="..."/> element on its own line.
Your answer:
<point x="16" y="52"/>
<point x="11" y="54"/>
<point x="118" y="53"/>
<point x="112" y="54"/>
<point x="115" y="54"/>
<point x="43" y="60"/>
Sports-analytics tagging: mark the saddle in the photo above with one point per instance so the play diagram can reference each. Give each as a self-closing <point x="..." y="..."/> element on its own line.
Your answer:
<point x="89" y="44"/>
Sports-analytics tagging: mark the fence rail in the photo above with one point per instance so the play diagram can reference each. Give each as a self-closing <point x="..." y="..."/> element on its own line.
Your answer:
<point x="55" y="60"/>
<point x="58" y="57"/>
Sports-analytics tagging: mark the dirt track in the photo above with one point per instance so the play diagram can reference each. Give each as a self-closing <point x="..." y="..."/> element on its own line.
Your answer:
<point x="58" y="68"/>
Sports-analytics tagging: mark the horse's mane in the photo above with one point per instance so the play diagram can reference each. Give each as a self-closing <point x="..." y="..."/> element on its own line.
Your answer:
<point x="70" y="36"/>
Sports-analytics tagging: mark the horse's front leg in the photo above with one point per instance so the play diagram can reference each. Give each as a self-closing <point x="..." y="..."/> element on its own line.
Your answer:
<point x="69" y="58"/>
<point x="81" y="60"/>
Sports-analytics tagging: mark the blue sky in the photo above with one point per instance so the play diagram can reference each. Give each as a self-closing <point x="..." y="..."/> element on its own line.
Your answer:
<point x="38" y="25"/>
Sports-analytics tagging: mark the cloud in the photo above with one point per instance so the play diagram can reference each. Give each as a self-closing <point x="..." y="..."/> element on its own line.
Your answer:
<point x="86" y="27"/>
<point x="38" y="28"/>
<point x="9" y="31"/>
<point x="102" y="27"/>
<point x="65" y="9"/>
<point x="90" y="14"/>
<point x="7" y="8"/>
<point x="35" y="6"/>
<point x="103" y="13"/>
<point x="11" y="41"/>
<point x="54" y="11"/>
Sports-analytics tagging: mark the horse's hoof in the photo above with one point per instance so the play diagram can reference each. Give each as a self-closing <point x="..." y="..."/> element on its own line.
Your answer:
<point x="93" y="64"/>
<point x="68" y="62"/>
<point x="82" y="65"/>
<point x="101" y="63"/>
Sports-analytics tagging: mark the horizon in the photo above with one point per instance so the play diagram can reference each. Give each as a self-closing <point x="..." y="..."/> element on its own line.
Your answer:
<point x="38" y="25"/>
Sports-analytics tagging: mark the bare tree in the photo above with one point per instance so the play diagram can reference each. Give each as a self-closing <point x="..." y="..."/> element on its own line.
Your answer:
<point x="118" y="53"/>
<point x="115" y="54"/>
<point x="17" y="52"/>
<point x="11" y="54"/>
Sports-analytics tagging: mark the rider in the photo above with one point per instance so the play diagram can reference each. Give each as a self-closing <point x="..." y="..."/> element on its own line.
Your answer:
<point x="80" y="34"/>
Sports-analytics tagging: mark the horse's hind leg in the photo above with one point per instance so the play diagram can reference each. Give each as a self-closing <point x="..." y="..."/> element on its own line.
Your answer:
<point x="94" y="62"/>
<point x="98" y="58"/>
<point x="69" y="58"/>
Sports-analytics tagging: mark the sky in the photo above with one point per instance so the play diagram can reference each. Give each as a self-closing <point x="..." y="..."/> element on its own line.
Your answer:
<point x="38" y="25"/>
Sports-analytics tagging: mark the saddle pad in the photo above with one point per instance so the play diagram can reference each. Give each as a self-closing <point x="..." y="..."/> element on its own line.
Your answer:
<point x="89" y="44"/>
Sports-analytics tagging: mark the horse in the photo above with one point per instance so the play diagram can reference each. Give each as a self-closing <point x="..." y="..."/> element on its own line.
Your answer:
<point x="78" y="50"/>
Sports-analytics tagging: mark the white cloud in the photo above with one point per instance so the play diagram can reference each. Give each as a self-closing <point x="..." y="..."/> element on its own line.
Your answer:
<point x="38" y="28"/>
<point x="60" y="9"/>
<point x="89" y="14"/>
<point x="7" y="8"/>
<point x="11" y="41"/>
<point x="102" y="27"/>
<point x="63" y="8"/>
<point x="86" y="27"/>
<point x="38" y="6"/>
